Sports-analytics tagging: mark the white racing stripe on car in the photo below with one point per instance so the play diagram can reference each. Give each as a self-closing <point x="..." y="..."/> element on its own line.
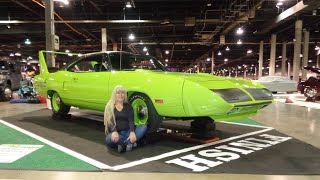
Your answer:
<point x="59" y="147"/>
<point x="177" y="152"/>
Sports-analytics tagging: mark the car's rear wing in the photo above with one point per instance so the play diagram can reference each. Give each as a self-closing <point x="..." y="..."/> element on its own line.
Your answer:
<point x="43" y="62"/>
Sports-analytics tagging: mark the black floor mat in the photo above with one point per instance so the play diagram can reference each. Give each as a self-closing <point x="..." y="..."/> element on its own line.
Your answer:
<point x="86" y="136"/>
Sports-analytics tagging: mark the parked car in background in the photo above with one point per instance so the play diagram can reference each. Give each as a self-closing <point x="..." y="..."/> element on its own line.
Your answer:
<point x="311" y="87"/>
<point x="278" y="84"/>
<point x="10" y="77"/>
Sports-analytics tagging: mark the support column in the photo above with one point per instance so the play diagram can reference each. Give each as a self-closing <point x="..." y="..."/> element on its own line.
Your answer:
<point x="104" y="39"/>
<point x="289" y="70"/>
<point x="297" y="50"/>
<point x="212" y="62"/>
<point x="272" y="64"/>
<point x="284" y="59"/>
<point x="49" y="33"/>
<point x="318" y="65"/>
<point x="260" y="59"/>
<point x="305" y="53"/>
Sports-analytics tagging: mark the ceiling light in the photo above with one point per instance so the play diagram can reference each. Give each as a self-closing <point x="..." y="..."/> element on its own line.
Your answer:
<point x="70" y="54"/>
<point x="280" y="56"/>
<point x="167" y="52"/>
<point x="208" y="59"/>
<point x="239" y="31"/>
<point x="128" y="5"/>
<point x="8" y="26"/>
<point x="249" y="51"/>
<point x="67" y="51"/>
<point x="300" y="55"/>
<point x="239" y="42"/>
<point x="166" y="65"/>
<point x="147" y="53"/>
<point x="316" y="48"/>
<point x="227" y="49"/>
<point x="17" y="54"/>
<point x="27" y="41"/>
<point x="141" y="42"/>
<point x="11" y="54"/>
<point x="63" y="1"/>
<point x="225" y="60"/>
<point x="131" y="37"/>
<point x="166" y="60"/>
<point x="145" y="49"/>
<point x="279" y="3"/>
<point x="219" y="53"/>
<point x="310" y="61"/>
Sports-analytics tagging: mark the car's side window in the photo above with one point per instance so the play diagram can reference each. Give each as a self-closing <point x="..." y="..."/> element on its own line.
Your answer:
<point x="88" y="64"/>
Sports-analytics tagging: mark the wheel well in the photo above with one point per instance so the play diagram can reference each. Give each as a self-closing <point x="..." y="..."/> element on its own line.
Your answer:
<point x="9" y="83"/>
<point x="50" y="92"/>
<point x="130" y="93"/>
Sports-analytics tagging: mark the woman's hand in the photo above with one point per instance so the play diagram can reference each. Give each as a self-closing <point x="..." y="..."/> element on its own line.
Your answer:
<point x="115" y="136"/>
<point x="132" y="137"/>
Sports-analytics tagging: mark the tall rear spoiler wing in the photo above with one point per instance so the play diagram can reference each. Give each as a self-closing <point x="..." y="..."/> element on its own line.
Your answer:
<point x="43" y="62"/>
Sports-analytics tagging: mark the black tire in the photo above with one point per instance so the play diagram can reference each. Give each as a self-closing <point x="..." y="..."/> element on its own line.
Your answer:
<point x="310" y="92"/>
<point x="59" y="109"/>
<point x="154" y="120"/>
<point x="7" y="93"/>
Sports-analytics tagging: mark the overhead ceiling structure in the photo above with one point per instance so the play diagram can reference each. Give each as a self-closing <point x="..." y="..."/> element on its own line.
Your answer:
<point x="190" y="30"/>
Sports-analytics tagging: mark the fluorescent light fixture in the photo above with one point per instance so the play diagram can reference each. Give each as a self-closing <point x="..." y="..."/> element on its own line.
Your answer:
<point x="63" y="1"/>
<point x="280" y="56"/>
<point x="167" y="52"/>
<point x="166" y="65"/>
<point x="239" y="42"/>
<point x="17" y="54"/>
<point x="27" y="41"/>
<point x="11" y="54"/>
<point x="141" y="42"/>
<point x="147" y="53"/>
<point x="301" y="55"/>
<point x="208" y="59"/>
<point x="225" y="60"/>
<point x="67" y="51"/>
<point x="249" y="51"/>
<point x="219" y="53"/>
<point x="310" y="61"/>
<point x="239" y="31"/>
<point x="79" y="55"/>
<point x="227" y="49"/>
<point x="316" y="48"/>
<point x="128" y="5"/>
<point x="131" y="37"/>
<point x="70" y="54"/>
<point x="279" y="3"/>
<point x="166" y="60"/>
<point x="145" y="49"/>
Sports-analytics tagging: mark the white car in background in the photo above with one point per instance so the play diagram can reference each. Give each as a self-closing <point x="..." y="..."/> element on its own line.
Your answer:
<point x="278" y="84"/>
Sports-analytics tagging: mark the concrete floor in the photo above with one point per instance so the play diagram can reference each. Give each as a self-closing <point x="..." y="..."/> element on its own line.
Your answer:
<point x="299" y="122"/>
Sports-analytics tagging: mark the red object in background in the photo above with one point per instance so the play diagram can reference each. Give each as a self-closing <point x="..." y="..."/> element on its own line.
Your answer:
<point x="42" y="99"/>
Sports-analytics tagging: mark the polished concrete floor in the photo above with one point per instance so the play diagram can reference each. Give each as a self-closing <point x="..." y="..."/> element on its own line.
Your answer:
<point x="299" y="122"/>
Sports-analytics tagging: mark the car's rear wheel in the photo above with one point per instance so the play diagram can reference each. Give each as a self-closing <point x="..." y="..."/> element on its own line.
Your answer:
<point x="310" y="92"/>
<point x="7" y="93"/>
<point x="58" y="107"/>
<point x="144" y="112"/>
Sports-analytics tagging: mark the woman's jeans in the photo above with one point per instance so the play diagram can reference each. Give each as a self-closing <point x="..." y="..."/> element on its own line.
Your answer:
<point x="124" y="136"/>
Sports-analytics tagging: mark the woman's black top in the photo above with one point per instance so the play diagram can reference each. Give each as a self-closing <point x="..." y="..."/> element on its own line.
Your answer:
<point x="124" y="118"/>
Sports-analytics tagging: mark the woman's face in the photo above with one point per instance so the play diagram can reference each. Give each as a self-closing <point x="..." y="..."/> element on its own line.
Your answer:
<point x="120" y="96"/>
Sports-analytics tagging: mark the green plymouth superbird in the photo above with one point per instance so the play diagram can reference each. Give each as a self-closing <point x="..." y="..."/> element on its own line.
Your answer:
<point x="153" y="91"/>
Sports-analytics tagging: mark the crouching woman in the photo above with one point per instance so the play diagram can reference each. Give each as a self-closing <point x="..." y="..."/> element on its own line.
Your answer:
<point x="121" y="133"/>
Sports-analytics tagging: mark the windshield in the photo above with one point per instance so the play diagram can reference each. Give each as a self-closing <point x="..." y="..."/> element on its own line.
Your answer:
<point x="130" y="62"/>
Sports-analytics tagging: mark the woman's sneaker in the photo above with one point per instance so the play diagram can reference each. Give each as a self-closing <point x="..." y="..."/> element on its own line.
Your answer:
<point x="122" y="147"/>
<point x="129" y="147"/>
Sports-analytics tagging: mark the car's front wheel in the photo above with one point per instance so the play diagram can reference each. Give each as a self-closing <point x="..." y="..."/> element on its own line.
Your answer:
<point x="58" y="107"/>
<point x="144" y="112"/>
<point x="310" y="92"/>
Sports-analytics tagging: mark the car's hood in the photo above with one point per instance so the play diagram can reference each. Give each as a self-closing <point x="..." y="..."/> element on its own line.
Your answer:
<point x="206" y="79"/>
<point x="315" y="70"/>
<point x="200" y="77"/>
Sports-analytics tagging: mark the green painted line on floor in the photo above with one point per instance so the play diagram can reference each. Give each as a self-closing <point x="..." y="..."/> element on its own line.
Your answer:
<point x="45" y="158"/>
<point x="247" y="121"/>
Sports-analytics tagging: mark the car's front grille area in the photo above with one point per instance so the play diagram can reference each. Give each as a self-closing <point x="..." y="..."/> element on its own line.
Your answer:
<point x="260" y="94"/>
<point x="232" y="95"/>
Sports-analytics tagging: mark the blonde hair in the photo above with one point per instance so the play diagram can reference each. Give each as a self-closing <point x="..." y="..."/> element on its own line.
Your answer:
<point x="109" y="118"/>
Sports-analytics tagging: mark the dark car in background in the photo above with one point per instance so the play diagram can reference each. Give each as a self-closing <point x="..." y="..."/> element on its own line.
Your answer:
<point x="311" y="87"/>
<point x="10" y="77"/>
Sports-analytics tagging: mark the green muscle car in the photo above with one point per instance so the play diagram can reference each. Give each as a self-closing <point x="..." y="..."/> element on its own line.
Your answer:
<point x="153" y="91"/>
